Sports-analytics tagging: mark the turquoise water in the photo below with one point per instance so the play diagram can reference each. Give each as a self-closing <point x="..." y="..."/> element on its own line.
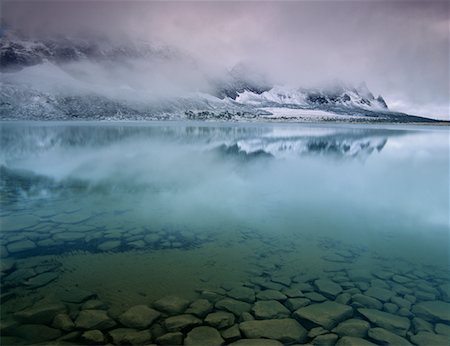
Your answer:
<point x="123" y="214"/>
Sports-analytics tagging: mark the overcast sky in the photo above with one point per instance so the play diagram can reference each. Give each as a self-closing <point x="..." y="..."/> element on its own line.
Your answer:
<point x="399" y="48"/>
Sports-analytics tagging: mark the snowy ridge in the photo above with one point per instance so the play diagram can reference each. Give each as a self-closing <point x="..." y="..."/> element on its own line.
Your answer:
<point x="340" y="95"/>
<point x="66" y="78"/>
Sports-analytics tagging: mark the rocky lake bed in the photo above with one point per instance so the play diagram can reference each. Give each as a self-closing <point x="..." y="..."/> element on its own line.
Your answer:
<point x="223" y="235"/>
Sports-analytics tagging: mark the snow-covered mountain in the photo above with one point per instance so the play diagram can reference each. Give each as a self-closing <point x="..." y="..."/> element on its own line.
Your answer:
<point x="66" y="78"/>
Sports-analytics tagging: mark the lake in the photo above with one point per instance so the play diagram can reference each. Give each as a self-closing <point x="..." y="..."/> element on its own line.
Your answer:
<point x="290" y="232"/>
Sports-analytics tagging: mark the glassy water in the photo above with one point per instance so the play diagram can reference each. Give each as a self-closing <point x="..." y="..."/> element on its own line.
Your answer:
<point x="172" y="233"/>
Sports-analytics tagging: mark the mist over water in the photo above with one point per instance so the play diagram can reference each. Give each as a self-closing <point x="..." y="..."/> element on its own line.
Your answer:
<point x="174" y="207"/>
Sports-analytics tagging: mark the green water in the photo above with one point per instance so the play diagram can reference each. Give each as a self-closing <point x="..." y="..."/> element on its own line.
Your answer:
<point x="127" y="213"/>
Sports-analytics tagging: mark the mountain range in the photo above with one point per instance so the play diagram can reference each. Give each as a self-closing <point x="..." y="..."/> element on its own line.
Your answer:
<point x="98" y="79"/>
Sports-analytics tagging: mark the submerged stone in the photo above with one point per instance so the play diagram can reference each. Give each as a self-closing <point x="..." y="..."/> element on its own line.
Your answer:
<point x="171" y="305"/>
<point x="204" y="336"/>
<point x="270" y="295"/>
<point x="42" y="312"/>
<point x="385" y="337"/>
<point x="327" y="314"/>
<point x="93" y="337"/>
<point x="41" y="280"/>
<point x="270" y="309"/>
<point x="296" y="303"/>
<point x="242" y="293"/>
<point x="235" y="306"/>
<point x="129" y="336"/>
<point x="328" y="287"/>
<point x="353" y="341"/>
<point x="352" y="327"/>
<point x="284" y="330"/>
<point x="200" y="308"/>
<point x="232" y="333"/>
<point x="367" y="302"/>
<point x="256" y="342"/>
<point x="175" y="338"/>
<point x="139" y="317"/>
<point x="326" y="339"/>
<point x="94" y="319"/>
<point x="180" y="322"/>
<point x="427" y="339"/>
<point x="379" y="293"/>
<point x="393" y="323"/>
<point x="220" y="319"/>
<point x="19" y="246"/>
<point x="109" y="245"/>
<point x="433" y="311"/>
<point x="63" y="322"/>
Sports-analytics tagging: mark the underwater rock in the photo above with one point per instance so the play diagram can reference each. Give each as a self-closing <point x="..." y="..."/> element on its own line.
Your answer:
<point x="109" y="245"/>
<point x="445" y="292"/>
<point x="420" y="325"/>
<point x="152" y="238"/>
<point x="63" y="322"/>
<point x="326" y="339"/>
<point x="204" y="336"/>
<point x="41" y="312"/>
<point x="180" y="322"/>
<point x="353" y="341"/>
<point x="393" y="323"/>
<point x="270" y="295"/>
<point x="256" y="342"/>
<point x="3" y="252"/>
<point x="7" y="264"/>
<point x="366" y="301"/>
<point x="175" y="338"/>
<point x="315" y="297"/>
<point x="296" y="303"/>
<point x="18" y="277"/>
<point x="235" y="306"/>
<point x="139" y="317"/>
<point x="327" y="314"/>
<point x="291" y="292"/>
<point x="94" y="319"/>
<point x="41" y="280"/>
<point x="328" y="287"/>
<point x="400" y="302"/>
<point x="443" y="329"/>
<point x="21" y="245"/>
<point x="284" y="330"/>
<point x="390" y="307"/>
<point x="352" y="327"/>
<point x="220" y="319"/>
<point x="280" y="279"/>
<point x="316" y="332"/>
<point x="93" y="337"/>
<point x="385" y="337"/>
<point x="379" y="293"/>
<point x="129" y="336"/>
<point x="200" y="308"/>
<point x="171" y="305"/>
<point x="231" y="334"/>
<point x="242" y="293"/>
<point x="270" y="309"/>
<point x="433" y="311"/>
<point x="93" y="304"/>
<point x="427" y="339"/>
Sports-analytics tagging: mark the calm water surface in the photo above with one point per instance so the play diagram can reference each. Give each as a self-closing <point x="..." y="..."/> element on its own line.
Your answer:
<point x="104" y="217"/>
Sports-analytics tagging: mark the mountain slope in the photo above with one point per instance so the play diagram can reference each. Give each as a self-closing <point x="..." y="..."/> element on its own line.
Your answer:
<point x="66" y="78"/>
